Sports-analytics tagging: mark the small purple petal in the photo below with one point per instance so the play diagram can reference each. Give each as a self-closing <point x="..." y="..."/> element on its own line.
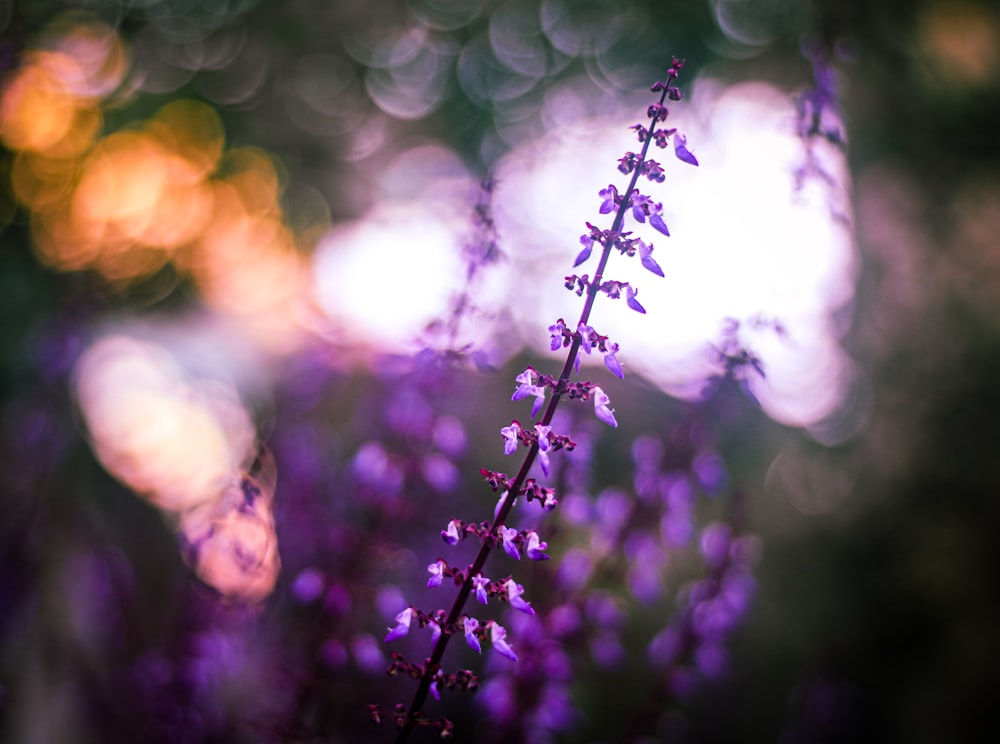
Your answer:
<point x="612" y="363"/>
<point x="514" y="592"/>
<point x="498" y="636"/>
<point x="471" y="626"/>
<point x="480" y="582"/>
<point x="436" y="570"/>
<point x="583" y="255"/>
<point x="656" y="221"/>
<point x="543" y="461"/>
<point x="601" y="407"/>
<point x="500" y="502"/>
<point x="508" y="535"/>
<point x="510" y="437"/>
<point x="632" y="301"/>
<point x="402" y="627"/>
<point x="681" y="151"/>
<point x="650" y="263"/>
<point x="534" y="547"/>
<point x="450" y="535"/>
<point x="542" y="434"/>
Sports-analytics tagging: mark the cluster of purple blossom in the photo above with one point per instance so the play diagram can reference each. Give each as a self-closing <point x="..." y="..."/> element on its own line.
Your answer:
<point x="540" y="439"/>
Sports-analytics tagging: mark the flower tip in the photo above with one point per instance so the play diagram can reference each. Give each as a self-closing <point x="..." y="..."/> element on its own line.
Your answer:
<point x="582" y="256"/>
<point x="650" y="263"/>
<point x="657" y="222"/>
<point x="681" y="151"/>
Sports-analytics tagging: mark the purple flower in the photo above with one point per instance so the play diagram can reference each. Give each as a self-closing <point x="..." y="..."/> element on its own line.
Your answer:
<point x="632" y="301"/>
<point x="542" y="434"/>
<point x="514" y="592"/>
<point x="528" y="387"/>
<point x="612" y="363"/>
<point x="558" y="332"/>
<point x="498" y="636"/>
<point x="471" y="626"/>
<point x="601" y="409"/>
<point x="436" y="570"/>
<point x="450" y="535"/>
<point x="588" y="246"/>
<point x="586" y="332"/>
<point x="534" y="547"/>
<point x="510" y="436"/>
<point x="645" y="256"/>
<point x="402" y="627"/>
<point x="480" y="583"/>
<point x="640" y="206"/>
<point x="610" y="196"/>
<point x="656" y="220"/>
<point x="509" y="535"/>
<point x="681" y="151"/>
<point x="544" y="462"/>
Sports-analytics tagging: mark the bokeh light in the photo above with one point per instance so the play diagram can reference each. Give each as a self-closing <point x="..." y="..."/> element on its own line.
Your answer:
<point x="176" y="442"/>
<point x="186" y="446"/>
<point x="744" y="245"/>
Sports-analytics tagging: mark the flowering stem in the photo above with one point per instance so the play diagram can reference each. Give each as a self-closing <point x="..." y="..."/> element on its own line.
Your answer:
<point x="501" y="517"/>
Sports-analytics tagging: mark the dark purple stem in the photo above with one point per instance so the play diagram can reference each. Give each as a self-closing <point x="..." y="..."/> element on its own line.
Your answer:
<point x="434" y="662"/>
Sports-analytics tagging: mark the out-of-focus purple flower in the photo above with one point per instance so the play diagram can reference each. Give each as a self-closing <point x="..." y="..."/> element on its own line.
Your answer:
<point x="610" y="196"/>
<point x="715" y="540"/>
<point x="588" y="246"/>
<point x="471" y="626"/>
<point x="479" y="584"/>
<point x="509" y="535"/>
<point x="528" y="387"/>
<point x="606" y="649"/>
<point x="402" y="627"/>
<point x="510" y="437"/>
<point x="514" y="592"/>
<point x="450" y="535"/>
<point x="710" y="470"/>
<point x="308" y="585"/>
<point x="434" y="691"/>
<point x="612" y="363"/>
<point x="646" y="257"/>
<point x="498" y="636"/>
<point x="601" y="408"/>
<point x="436" y="570"/>
<point x="681" y="151"/>
<point x="631" y="301"/>
<point x="711" y="659"/>
<point x="534" y="548"/>
<point x="439" y="472"/>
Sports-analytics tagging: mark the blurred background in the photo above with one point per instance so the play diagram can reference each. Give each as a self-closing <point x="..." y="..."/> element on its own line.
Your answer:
<point x="268" y="272"/>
